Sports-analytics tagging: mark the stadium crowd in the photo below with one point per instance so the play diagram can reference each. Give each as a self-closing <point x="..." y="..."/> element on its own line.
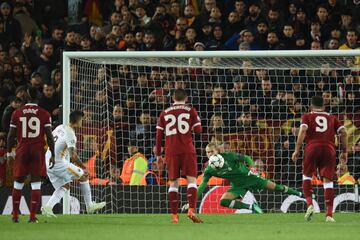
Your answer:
<point x="33" y="35"/>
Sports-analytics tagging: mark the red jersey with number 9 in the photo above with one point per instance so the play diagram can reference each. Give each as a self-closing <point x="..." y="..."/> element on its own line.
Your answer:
<point x="177" y="123"/>
<point x="321" y="128"/>
<point x="30" y="122"/>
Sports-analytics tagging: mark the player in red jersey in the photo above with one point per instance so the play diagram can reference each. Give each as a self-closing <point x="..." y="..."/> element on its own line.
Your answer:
<point x="318" y="129"/>
<point x="28" y="126"/>
<point x="177" y="124"/>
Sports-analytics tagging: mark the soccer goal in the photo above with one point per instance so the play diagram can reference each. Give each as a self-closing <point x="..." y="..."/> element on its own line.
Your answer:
<point x="249" y="102"/>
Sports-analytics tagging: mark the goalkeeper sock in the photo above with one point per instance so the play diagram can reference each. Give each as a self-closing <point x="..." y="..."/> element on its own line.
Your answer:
<point x="55" y="198"/>
<point x="329" y="198"/>
<point x="173" y="200"/>
<point x="191" y="195"/>
<point x="234" y="204"/>
<point x="86" y="192"/>
<point x="286" y="189"/>
<point x="307" y="188"/>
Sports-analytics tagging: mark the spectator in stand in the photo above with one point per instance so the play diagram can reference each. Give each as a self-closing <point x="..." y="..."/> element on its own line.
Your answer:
<point x="351" y="40"/>
<point x="142" y="17"/>
<point x="273" y="41"/>
<point x="50" y="101"/>
<point x="332" y="44"/>
<point x="322" y="15"/>
<point x="11" y="26"/>
<point x="134" y="167"/>
<point x="245" y="122"/>
<point x="274" y="20"/>
<point x="115" y="19"/>
<point x="315" y="45"/>
<point x="70" y="43"/>
<point x="261" y="100"/>
<point x="144" y="132"/>
<point x="253" y="17"/>
<point x="288" y="38"/>
<point x="15" y="103"/>
<point x="45" y="59"/>
<point x="346" y="22"/>
<point x="28" y="25"/>
<point x="217" y="128"/>
<point x="241" y="10"/>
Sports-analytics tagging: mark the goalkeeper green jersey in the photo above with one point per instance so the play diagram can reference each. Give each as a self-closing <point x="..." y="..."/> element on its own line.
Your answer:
<point x="234" y="168"/>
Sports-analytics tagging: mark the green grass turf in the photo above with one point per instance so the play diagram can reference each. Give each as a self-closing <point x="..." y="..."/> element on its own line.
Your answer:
<point x="153" y="226"/>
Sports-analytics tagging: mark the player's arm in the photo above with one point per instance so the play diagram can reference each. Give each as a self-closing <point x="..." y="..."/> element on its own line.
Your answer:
<point x="51" y="144"/>
<point x="246" y="159"/>
<point x="75" y="158"/>
<point x="159" y="135"/>
<point x="11" y="142"/>
<point x="343" y="145"/>
<point x="300" y="141"/>
<point x="196" y="125"/>
<point x="203" y="184"/>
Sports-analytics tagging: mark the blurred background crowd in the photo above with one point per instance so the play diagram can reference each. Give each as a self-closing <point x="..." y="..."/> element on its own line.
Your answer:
<point x="34" y="33"/>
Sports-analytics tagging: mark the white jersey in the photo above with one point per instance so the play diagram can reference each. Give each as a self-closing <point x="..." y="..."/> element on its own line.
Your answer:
<point x="64" y="138"/>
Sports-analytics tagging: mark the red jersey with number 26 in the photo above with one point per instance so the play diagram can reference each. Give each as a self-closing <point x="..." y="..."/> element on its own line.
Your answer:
<point x="177" y="124"/>
<point x="321" y="128"/>
<point x="30" y="122"/>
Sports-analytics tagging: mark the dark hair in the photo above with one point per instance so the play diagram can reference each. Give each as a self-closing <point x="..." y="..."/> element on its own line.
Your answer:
<point x="76" y="115"/>
<point x="33" y="93"/>
<point x="317" y="101"/>
<point x="180" y="94"/>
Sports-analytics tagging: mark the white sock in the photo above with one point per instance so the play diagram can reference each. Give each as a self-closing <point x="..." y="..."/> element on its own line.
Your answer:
<point x="86" y="192"/>
<point x="55" y="198"/>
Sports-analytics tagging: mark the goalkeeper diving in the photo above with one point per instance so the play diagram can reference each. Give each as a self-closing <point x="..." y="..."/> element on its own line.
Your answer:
<point x="239" y="170"/>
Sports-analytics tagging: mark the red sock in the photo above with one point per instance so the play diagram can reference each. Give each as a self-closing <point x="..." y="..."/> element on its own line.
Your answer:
<point x="191" y="195"/>
<point x="174" y="202"/>
<point x="16" y="197"/>
<point x="329" y="200"/>
<point x="307" y="188"/>
<point x="34" y="202"/>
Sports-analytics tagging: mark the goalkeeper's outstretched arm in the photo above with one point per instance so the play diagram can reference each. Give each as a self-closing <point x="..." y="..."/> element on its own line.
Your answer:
<point x="248" y="160"/>
<point x="203" y="185"/>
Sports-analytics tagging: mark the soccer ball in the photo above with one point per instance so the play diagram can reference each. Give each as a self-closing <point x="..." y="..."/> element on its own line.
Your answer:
<point x="216" y="161"/>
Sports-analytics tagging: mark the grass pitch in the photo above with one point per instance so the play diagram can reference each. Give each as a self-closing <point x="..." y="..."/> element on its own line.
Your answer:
<point x="154" y="226"/>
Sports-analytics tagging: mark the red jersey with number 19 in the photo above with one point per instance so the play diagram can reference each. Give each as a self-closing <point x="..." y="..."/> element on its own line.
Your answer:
<point x="177" y="123"/>
<point x="30" y="122"/>
<point x="321" y="128"/>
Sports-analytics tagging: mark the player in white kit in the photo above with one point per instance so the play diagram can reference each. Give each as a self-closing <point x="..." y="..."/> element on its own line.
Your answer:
<point x="64" y="172"/>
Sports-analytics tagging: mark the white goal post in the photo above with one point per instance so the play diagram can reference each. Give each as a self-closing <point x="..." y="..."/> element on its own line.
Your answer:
<point x="97" y="82"/>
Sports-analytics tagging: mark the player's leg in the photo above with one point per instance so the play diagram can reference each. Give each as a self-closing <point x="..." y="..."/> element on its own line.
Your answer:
<point x="173" y="195"/>
<point x="16" y="197"/>
<point x="55" y="198"/>
<point x="231" y="199"/>
<point x="281" y="188"/>
<point x="189" y="168"/>
<point x="191" y="195"/>
<point x="173" y="165"/>
<point x="309" y="167"/>
<point x="91" y="207"/>
<point x="327" y="166"/>
<point x="60" y="178"/>
<point x="20" y="171"/>
<point x="329" y="198"/>
<point x="37" y="171"/>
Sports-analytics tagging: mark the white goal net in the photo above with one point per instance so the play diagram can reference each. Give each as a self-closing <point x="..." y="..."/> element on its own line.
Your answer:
<point x="251" y="102"/>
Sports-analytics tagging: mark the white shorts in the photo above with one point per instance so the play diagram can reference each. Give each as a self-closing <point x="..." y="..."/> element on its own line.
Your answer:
<point x="63" y="172"/>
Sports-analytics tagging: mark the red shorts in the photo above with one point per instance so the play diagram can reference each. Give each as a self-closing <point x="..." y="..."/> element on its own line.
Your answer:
<point x="186" y="163"/>
<point x="322" y="158"/>
<point x="30" y="160"/>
